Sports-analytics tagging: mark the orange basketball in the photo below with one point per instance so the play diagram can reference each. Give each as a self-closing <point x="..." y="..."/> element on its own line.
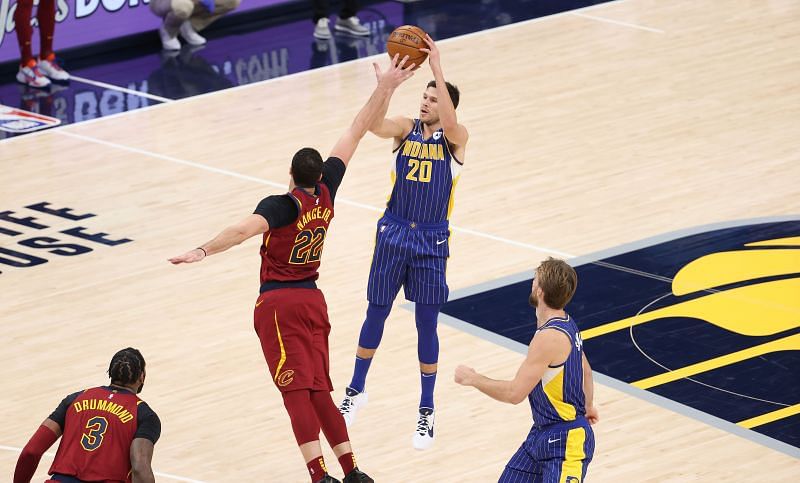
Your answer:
<point x="407" y="40"/>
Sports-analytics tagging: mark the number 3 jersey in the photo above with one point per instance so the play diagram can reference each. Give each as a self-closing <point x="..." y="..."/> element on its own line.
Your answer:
<point x="98" y="427"/>
<point x="425" y="174"/>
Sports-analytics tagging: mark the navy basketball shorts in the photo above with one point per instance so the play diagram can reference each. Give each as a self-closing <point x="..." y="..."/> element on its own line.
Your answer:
<point x="412" y="255"/>
<point x="558" y="453"/>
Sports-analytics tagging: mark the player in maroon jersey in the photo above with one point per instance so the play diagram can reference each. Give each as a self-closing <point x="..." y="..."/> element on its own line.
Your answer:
<point x="291" y="317"/>
<point x="108" y="432"/>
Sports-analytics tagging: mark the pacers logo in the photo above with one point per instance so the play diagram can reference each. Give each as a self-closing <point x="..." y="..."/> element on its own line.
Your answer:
<point x="709" y="318"/>
<point x="285" y="378"/>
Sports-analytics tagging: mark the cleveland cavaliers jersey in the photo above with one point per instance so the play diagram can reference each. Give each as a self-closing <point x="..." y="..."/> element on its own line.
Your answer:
<point x="292" y="253"/>
<point x="424" y="174"/>
<point x="99" y="427"/>
<point x="559" y="395"/>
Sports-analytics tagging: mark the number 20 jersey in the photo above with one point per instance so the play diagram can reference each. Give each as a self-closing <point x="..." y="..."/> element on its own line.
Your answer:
<point x="425" y="174"/>
<point x="292" y="253"/>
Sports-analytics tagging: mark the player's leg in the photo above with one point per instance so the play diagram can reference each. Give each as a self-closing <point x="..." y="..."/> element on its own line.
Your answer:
<point x="386" y="275"/>
<point x="286" y="342"/>
<point x="521" y="468"/>
<point x="46" y="15"/>
<point x="568" y="453"/>
<point x="28" y="73"/>
<point x="427" y="286"/>
<point x="306" y="430"/>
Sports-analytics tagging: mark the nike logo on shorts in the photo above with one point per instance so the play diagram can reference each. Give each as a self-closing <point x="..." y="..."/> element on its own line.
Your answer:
<point x="439" y="242"/>
<point x="553" y="440"/>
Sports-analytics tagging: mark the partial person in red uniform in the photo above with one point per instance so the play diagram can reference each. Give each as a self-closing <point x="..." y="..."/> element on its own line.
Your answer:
<point x="33" y="73"/>
<point x="291" y="317"/>
<point x="108" y="433"/>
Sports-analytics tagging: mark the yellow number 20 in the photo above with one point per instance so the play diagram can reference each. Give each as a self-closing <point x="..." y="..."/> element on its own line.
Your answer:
<point x="424" y="168"/>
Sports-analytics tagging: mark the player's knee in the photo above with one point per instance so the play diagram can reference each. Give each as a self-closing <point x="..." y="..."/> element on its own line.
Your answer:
<point x="182" y="8"/>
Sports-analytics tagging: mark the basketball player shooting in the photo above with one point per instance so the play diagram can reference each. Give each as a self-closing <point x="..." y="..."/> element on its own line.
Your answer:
<point x="412" y="239"/>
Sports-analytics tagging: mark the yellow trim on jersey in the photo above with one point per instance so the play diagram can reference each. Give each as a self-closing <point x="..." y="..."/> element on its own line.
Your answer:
<point x="554" y="390"/>
<point x="393" y="175"/>
<point x="770" y="417"/>
<point x="266" y="242"/>
<point x="452" y="200"/>
<point x="283" y="350"/>
<point x="572" y="466"/>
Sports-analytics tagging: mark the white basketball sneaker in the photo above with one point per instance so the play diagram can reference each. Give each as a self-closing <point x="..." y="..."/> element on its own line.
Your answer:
<point x="50" y="69"/>
<point x="352" y="402"/>
<point x="423" y="436"/>
<point x="30" y="75"/>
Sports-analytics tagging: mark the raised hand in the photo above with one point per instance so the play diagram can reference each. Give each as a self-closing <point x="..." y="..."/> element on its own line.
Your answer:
<point x="396" y="74"/>
<point x="432" y="51"/>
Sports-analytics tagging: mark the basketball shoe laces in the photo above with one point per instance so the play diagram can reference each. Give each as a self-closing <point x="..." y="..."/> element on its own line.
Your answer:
<point x="424" y="424"/>
<point x="346" y="404"/>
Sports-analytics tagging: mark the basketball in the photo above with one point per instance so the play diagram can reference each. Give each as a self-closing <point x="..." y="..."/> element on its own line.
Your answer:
<point x="407" y="40"/>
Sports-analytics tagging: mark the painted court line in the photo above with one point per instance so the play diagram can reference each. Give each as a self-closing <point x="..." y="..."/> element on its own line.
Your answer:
<point x="616" y="22"/>
<point x="340" y="200"/>
<point x="156" y="473"/>
<point x="120" y="89"/>
<point x="295" y="75"/>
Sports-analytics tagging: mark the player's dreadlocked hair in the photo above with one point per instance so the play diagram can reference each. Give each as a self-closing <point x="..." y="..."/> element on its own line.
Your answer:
<point x="126" y="366"/>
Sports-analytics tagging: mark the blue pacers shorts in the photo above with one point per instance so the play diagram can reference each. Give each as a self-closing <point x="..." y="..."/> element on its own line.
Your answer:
<point x="410" y="254"/>
<point x="558" y="453"/>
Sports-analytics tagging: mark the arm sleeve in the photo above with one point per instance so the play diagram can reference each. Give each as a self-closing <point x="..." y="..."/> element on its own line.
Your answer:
<point x="148" y="426"/>
<point x="332" y="174"/>
<point x="278" y="210"/>
<point x="60" y="414"/>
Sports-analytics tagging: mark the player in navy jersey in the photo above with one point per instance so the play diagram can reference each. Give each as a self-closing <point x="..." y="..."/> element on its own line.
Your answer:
<point x="557" y="380"/>
<point x="291" y="317"/>
<point x="411" y="244"/>
<point x="107" y="432"/>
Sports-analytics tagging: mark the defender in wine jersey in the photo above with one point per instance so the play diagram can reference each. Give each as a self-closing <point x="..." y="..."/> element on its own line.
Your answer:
<point x="411" y="243"/>
<point x="291" y="316"/>
<point x="557" y="380"/>
<point x="107" y="432"/>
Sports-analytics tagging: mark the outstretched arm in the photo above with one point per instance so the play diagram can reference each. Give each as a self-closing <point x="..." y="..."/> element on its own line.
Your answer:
<point x="230" y="236"/>
<point x="455" y="132"/>
<point x="40" y="442"/>
<point x="543" y="350"/>
<point x="374" y="109"/>
<point x="588" y="392"/>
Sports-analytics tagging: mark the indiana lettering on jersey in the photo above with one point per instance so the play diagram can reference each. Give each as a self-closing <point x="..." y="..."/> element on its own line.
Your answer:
<point x="103" y="405"/>
<point x="421" y="150"/>
<point x="314" y="214"/>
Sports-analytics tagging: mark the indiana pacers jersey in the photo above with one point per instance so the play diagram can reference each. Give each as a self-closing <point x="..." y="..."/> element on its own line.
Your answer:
<point x="425" y="174"/>
<point x="559" y="395"/>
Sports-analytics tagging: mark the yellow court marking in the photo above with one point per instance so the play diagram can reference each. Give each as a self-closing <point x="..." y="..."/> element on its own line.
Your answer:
<point x="791" y="240"/>
<point x="724" y="268"/>
<point x="755" y="310"/>
<point x="770" y="417"/>
<point x="785" y="344"/>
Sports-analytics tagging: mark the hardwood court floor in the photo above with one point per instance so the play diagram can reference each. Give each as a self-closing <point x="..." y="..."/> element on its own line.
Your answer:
<point x="585" y="135"/>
